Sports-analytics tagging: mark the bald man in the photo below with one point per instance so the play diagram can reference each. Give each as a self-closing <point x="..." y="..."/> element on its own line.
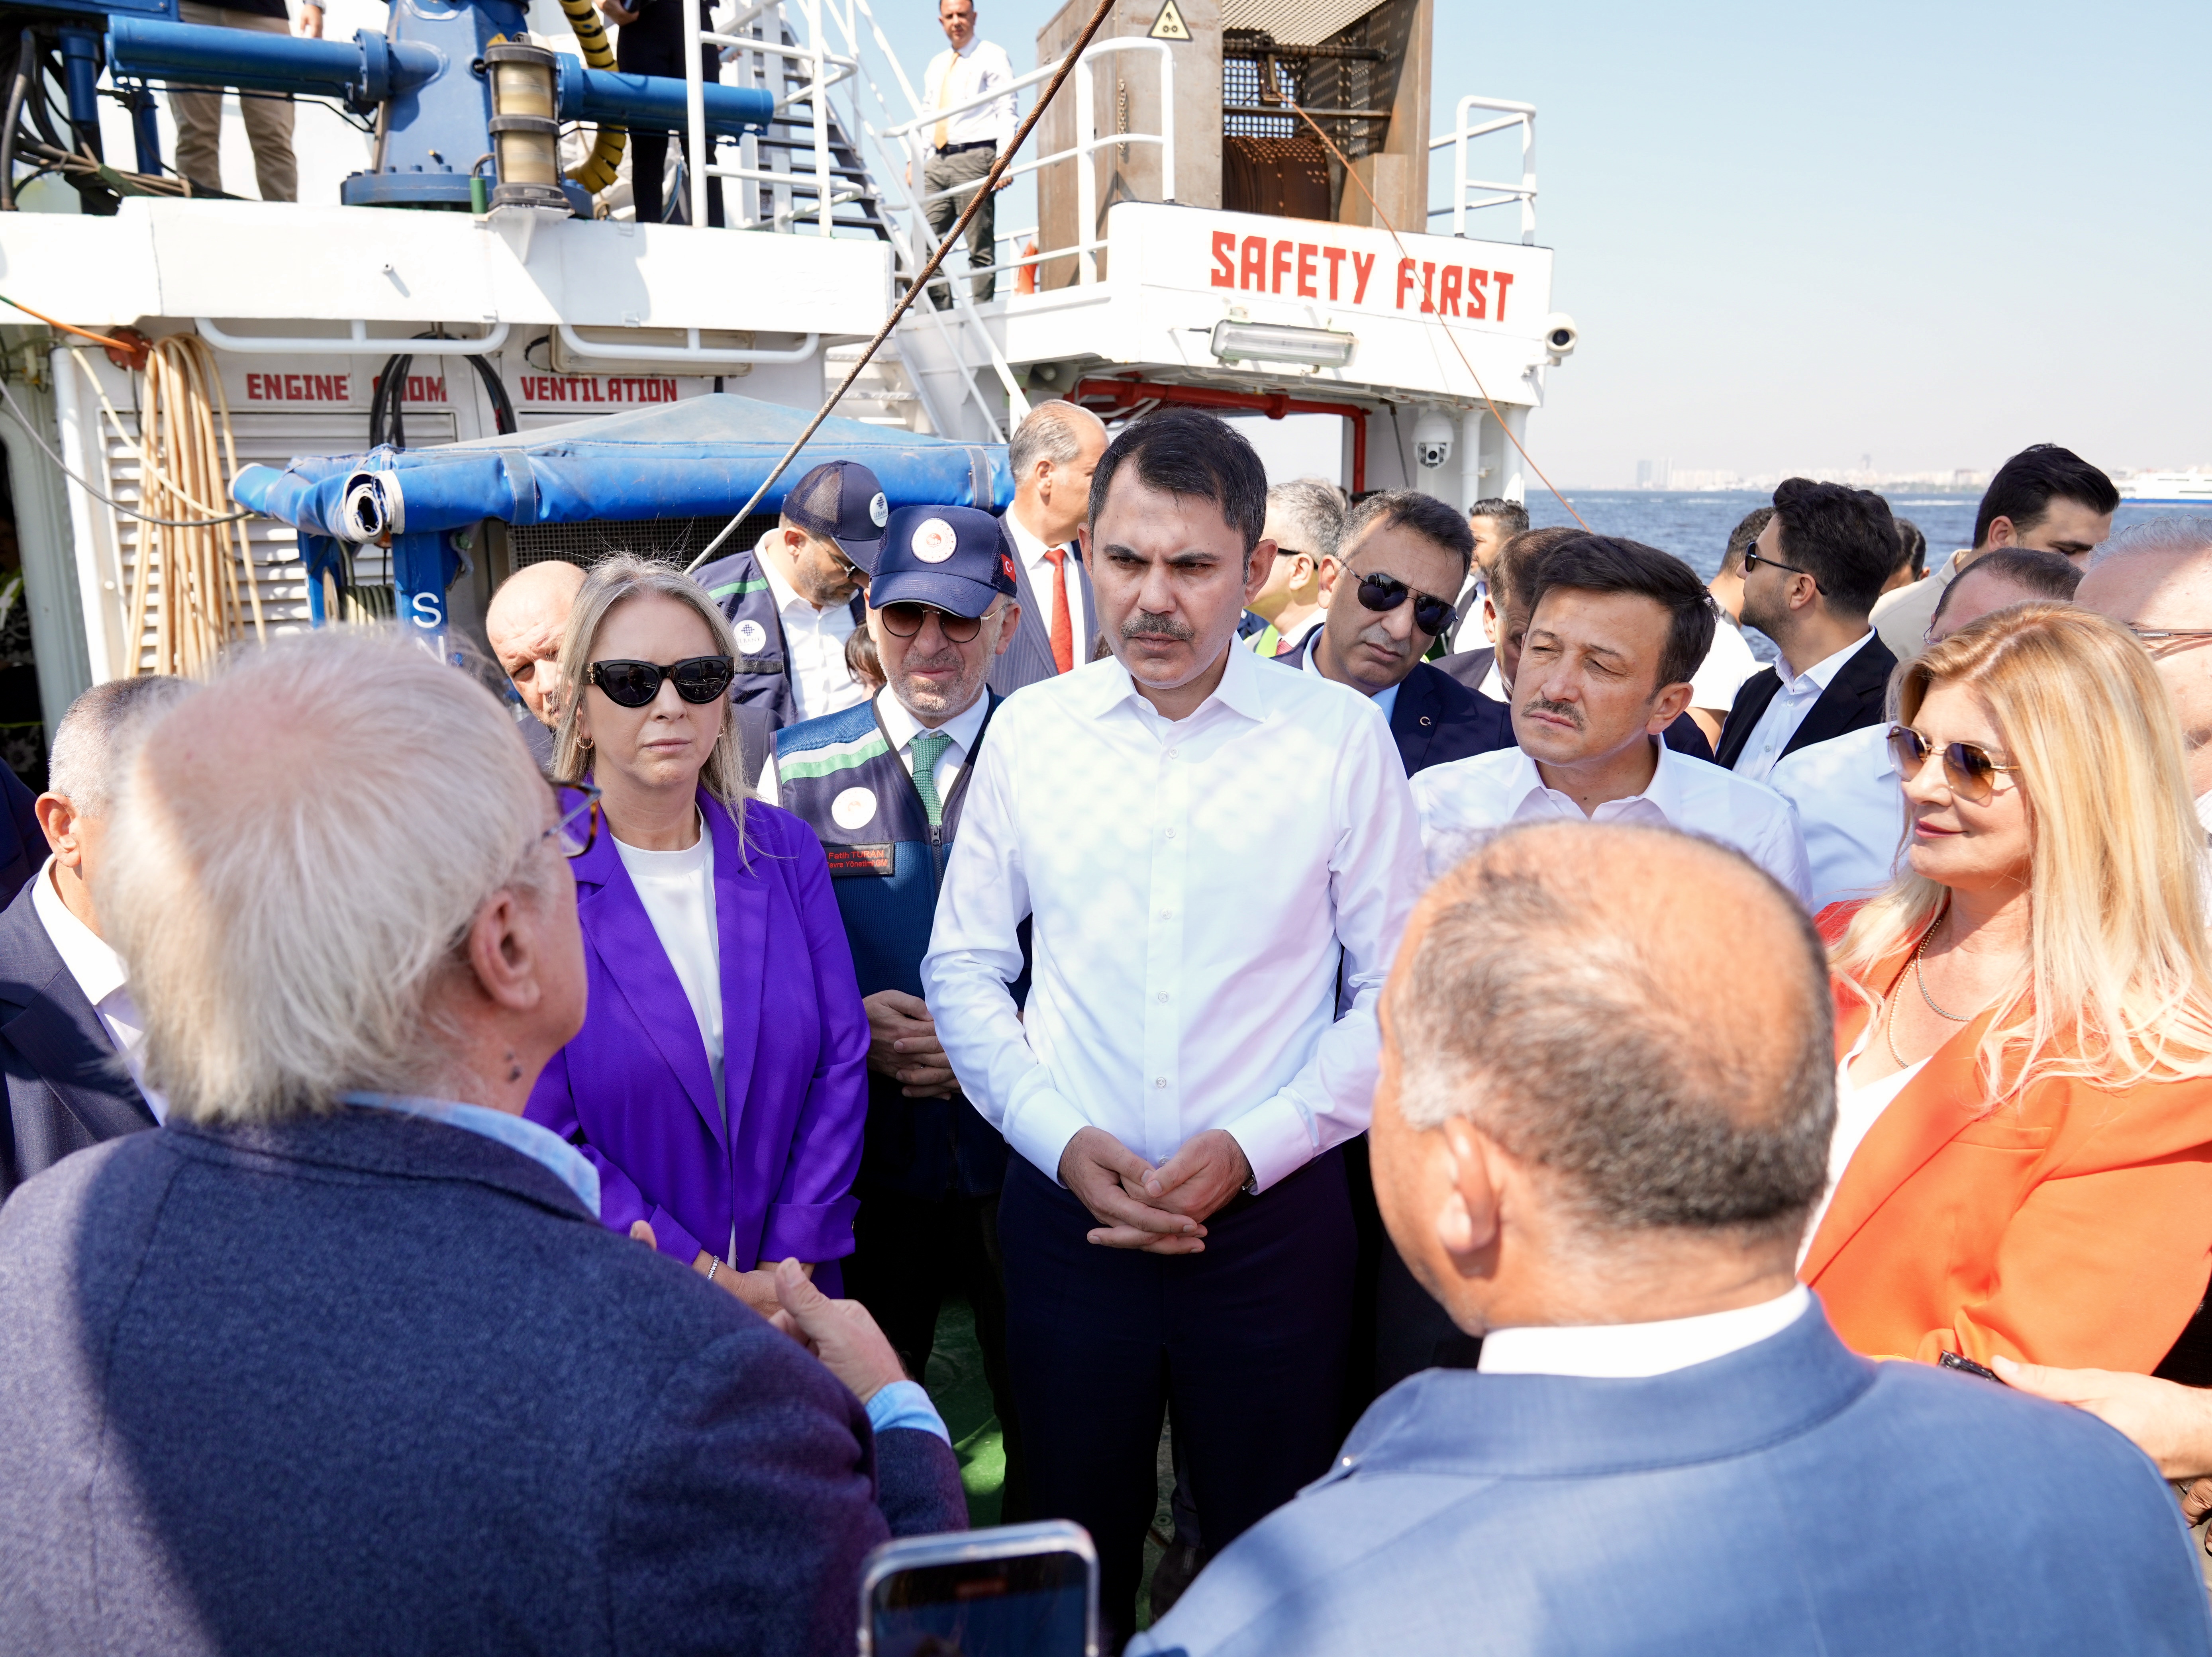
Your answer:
<point x="1665" y="1448"/>
<point x="2155" y="580"/>
<point x="524" y="623"/>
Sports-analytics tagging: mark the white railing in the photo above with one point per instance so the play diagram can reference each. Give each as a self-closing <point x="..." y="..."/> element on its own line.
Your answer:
<point x="1490" y="193"/>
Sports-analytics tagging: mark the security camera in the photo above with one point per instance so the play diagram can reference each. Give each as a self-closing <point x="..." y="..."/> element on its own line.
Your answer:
<point x="1560" y="337"/>
<point x="1433" y="440"/>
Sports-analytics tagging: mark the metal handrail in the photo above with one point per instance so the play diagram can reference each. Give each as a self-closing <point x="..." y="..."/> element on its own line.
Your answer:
<point x="1510" y="115"/>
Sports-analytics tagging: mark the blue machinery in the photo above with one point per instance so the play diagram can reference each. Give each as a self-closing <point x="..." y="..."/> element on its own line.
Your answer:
<point x="448" y="90"/>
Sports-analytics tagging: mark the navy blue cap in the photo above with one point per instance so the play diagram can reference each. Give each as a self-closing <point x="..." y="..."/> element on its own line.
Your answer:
<point x="842" y="500"/>
<point x="952" y="557"/>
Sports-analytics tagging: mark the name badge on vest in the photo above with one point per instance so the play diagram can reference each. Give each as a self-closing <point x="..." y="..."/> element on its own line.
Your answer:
<point x="848" y="862"/>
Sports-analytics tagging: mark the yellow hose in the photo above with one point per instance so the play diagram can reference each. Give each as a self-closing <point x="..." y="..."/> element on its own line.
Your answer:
<point x="600" y="167"/>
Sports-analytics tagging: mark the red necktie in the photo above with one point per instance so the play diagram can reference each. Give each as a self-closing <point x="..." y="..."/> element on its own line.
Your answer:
<point x="1063" y="625"/>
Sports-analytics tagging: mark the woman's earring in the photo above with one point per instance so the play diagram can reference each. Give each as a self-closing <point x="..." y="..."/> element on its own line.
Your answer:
<point x="583" y="742"/>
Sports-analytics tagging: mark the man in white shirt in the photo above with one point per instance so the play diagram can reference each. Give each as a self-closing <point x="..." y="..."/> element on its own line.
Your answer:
<point x="2045" y="498"/>
<point x="2155" y="580"/>
<point x="1614" y="632"/>
<point x="1305" y="520"/>
<point x="1053" y="453"/>
<point x="793" y="598"/>
<point x="1809" y="581"/>
<point x="963" y="143"/>
<point x="1849" y="801"/>
<point x="1205" y="846"/>
<point x="1492" y="522"/>
<point x="65" y="1007"/>
<point x="1665" y="1448"/>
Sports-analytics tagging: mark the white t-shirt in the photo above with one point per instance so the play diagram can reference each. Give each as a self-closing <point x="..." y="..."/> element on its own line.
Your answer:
<point x="1726" y="666"/>
<point x="677" y="890"/>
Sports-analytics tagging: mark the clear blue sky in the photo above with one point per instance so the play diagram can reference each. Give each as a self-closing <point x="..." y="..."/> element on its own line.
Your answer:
<point x="1795" y="235"/>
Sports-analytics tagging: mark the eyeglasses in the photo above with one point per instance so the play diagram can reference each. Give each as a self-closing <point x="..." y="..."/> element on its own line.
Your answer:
<point x="633" y="684"/>
<point x="903" y="621"/>
<point x="2164" y="642"/>
<point x="578" y="825"/>
<point x="1753" y="558"/>
<point x="1967" y="766"/>
<point x="1432" y="615"/>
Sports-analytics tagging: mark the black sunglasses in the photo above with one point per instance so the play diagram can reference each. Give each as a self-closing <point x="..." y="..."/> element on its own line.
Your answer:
<point x="903" y="621"/>
<point x="1753" y="558"/>
<point x="1967" y="766"/>
<point x="633" y="684"/>
<point x="1432" y="615"/>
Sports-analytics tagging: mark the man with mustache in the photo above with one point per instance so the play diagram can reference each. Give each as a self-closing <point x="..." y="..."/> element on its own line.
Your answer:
<point x="882" y="786"/>
<point x="1616" y="630"/>
<point x="1385" y="597"/>
<point x="1203" y="846"/>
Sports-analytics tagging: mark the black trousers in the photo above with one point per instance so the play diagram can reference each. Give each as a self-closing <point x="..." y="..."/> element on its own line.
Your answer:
<point x="1248" y="1340"/>
<point x="649" y="151"/>
<point x="910" y="1253"/>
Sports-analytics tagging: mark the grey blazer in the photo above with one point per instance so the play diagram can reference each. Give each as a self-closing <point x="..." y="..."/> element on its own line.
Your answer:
<point x="1029" y="658"/>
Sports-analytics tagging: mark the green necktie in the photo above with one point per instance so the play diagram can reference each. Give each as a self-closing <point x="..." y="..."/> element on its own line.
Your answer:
<point x="927" y="747"/>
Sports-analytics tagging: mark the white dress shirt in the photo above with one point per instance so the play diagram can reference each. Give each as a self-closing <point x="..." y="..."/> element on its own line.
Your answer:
<point x="1465" y="799"/>
<point x="1726" y="666"/>
<point x="814" y="644"/>
<point x="1851" y="805"/>
<point x="1493" y="685"/>
<point x="1789" y="708"/>
<point x="677" y="890"/>
<point x="1386" y="701"/>
<point x="1038" y="569"/>
<point x="902" y="727"/>
<point x="98" y="973"/>
<point x="981" y="67"/>
<point x="1192" y="884"/>
<point x="1634" y="1352"/>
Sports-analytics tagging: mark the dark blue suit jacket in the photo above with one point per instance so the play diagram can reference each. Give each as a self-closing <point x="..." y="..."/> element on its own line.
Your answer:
<point x="22" y="842"/>
<point x="1790" y="1497"/>
<point x="1436" y="718"/>
<point x="369" y="1383"/>
<point x="67" y="1087"/>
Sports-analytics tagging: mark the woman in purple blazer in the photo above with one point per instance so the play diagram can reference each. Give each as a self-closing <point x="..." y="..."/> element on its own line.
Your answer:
<point x="719" y="1082"/>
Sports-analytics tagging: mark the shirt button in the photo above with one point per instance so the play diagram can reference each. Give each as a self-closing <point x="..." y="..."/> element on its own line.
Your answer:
<point x="1159" y="1081"/>
<point x="1171" y="753"/>
<point x="1170" y="833"/>
<point x="1163" y="995"/>
<point x="1167" y="915"/>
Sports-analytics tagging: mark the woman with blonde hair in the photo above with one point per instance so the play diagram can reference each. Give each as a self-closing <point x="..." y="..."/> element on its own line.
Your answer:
<point x="720" y="1083"/>
<point x="2023" y="1154"/>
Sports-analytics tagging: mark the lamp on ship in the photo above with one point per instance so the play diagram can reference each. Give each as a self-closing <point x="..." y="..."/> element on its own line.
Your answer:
<point x="1271" y="341"/>
<point x="525" y="132"/>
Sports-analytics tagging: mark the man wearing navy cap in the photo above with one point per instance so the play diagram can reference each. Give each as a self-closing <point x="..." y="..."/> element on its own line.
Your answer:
<point x="794" y="598"/>
<point x="881" y="784"/>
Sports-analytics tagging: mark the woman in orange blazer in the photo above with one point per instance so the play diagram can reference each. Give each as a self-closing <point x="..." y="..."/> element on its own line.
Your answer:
<point x="2023" y="1157"/>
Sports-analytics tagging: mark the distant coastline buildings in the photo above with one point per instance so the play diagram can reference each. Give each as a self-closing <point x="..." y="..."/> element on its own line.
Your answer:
<point x="1681" y="480"/>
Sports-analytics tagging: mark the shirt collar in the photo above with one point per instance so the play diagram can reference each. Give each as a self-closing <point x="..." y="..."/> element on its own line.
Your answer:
<point x="519" y="1133"/>
<point x="1664" y="791"/>
<point x="902" y="727"/>
<point x="1635" y="1351"/>
<point x="97" y="968"/>
<point x="1105" y="684"/>
<point x="1823" y="672"/>
<point x="1032" y="549"/>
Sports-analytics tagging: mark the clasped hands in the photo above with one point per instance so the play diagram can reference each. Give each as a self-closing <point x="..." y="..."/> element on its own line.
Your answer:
<point x="1160" y="1210"/>
<point x="903" y="1045"/>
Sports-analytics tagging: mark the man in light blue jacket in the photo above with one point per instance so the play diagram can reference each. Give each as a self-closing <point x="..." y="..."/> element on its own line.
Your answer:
<point x="1665" y="1449"/>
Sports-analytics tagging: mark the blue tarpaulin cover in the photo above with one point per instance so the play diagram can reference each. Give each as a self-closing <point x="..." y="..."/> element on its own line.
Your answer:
<point x="691" y="459"/>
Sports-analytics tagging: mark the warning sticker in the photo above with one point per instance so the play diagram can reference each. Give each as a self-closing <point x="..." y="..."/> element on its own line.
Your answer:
<point x="1168" y="25"/>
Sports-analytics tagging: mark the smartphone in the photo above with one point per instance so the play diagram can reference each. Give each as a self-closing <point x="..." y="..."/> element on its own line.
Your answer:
<point x="1952" y="1361"/>
<point x="1015" y="1591"/>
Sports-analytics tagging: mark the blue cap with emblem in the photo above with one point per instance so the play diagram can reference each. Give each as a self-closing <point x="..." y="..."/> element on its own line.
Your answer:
<point x="842" y="500"/>
<point x="953" y="558"/>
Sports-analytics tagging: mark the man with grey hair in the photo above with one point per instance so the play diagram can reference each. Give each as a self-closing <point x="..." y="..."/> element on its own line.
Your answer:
<point x="66" y="1016"/>
<point x="372" y="1375"/>
<point x="1053" y="453"/>
<point x="1665" y="1448"/>
<point x="1305" y="520"/>
<point x="2155" y="580"/>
